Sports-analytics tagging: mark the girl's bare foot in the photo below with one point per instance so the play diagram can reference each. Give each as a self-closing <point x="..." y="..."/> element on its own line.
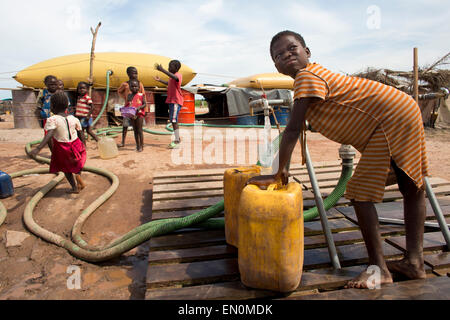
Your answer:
<point x="80" y="183"/>
<point x="370" y="278"/>
<point x="407" y="268"/>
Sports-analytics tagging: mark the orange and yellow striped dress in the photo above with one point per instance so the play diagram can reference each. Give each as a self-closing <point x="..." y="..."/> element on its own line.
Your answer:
<point x="380" y="121"/>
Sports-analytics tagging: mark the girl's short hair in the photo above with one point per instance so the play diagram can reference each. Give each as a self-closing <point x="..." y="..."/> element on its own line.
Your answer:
<point x="286" y="33"/>
<point x="134" y="80"/>
<point x="59" y="101"/>
<point x="82" y="83"/>
<point x="49" y="77"/>
<point x="131" y="68"/>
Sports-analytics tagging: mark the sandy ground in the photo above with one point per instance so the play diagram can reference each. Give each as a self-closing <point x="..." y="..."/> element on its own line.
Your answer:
<point x="36" y="269"/>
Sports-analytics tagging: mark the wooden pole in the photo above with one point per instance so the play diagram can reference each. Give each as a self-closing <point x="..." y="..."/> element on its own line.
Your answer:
<point x="416" y="76"/>
<point x="91" y="65"/>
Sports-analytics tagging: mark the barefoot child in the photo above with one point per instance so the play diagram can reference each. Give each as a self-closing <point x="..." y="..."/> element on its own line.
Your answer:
<point x="69" y="153"/>
<point x="83" y="109"/>
<point x="43" y="101"/>
<point x="137" y="100"/>
<point x="123" y="92"/>
<point x="174" y="96"/>
<point x="382" y="123"/>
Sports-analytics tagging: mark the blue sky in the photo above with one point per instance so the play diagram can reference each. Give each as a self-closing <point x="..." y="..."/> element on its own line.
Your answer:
<point x="225" y="39"/>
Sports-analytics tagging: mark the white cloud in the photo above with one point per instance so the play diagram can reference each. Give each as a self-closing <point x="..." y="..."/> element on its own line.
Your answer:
<point x="210" y="7"/>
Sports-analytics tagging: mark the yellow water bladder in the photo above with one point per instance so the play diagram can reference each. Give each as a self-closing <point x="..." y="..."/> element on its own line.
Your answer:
<point x="270" y="240"/>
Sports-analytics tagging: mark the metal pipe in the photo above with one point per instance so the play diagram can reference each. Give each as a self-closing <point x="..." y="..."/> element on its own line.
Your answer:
<point x="323" y="215"/>
<point x="437" y="212"/>
<point x="275" y="102"/>
<point x="400" y="221"/>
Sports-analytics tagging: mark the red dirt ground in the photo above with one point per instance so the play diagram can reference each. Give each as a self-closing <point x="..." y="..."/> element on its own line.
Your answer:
<point x="39" y="270"/>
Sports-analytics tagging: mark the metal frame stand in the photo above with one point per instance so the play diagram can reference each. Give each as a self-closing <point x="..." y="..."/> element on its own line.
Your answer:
<point x="437" y="212"/>
<point x="322" y="213"/>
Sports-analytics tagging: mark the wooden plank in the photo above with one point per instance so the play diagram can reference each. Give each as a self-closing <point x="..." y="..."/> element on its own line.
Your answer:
<point x="445" y="272"/>
<point x="183" y="239"/>
<point x="192" y="273"/>
<point x="327" y="185"/>
<point x="199" y="203"/>
<point x="187" y="194"/>
<point x="438" y="260"/>
<point x="349" y="237"/>
<point x="394" y="209"/>
<point x="187" y="179"/>
<point x="160" y="275"/>
<point x="352" y="254"/>
<point x="336" y="225"/>
<point x="198" y="186"/>
<point x="437" y="288"/>
<point x="176" y="214"/>
<point x="316" y="279"/>
<point x="192" y="254"/>
<point x="431" y="241"/>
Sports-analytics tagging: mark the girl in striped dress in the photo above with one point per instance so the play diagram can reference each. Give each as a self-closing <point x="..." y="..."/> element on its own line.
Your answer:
<point x="69" y="152"/>
<point x="83" y="109"/>
<point x="382" y="123"/>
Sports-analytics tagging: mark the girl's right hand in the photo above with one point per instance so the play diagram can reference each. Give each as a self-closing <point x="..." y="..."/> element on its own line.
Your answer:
<point x="34" y="152"/>
<point x="266" y="180"/>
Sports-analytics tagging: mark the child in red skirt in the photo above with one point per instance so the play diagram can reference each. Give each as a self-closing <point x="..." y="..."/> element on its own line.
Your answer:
<point x="69" y="152"/>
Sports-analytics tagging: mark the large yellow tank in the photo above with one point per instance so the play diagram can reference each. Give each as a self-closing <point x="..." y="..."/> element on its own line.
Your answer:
<point x="270" y="254"/>
<point x="234" y="181"/>
<point x="75" y="68"/>
<point x="264" y="80"/>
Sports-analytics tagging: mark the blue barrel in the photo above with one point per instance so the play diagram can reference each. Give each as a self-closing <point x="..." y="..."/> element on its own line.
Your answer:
<point x="282" y="115"/>
<point x="6" y="185"/>
<point x="246" y="120"/>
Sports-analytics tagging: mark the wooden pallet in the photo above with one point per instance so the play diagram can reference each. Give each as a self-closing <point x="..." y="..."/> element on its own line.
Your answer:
<point x="198" y="264"/>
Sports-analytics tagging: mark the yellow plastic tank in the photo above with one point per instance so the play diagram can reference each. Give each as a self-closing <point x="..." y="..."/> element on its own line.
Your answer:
<point x="107" y="148"/>
<point x="270" y="254"/>
<point x="234" y="181"/>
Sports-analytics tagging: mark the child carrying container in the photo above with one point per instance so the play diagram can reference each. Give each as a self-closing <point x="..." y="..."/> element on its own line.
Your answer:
<point x="123" y="92"/>
<point x="382" y="123"/>
<point x="69" y="152"/>
<point x="83" y="109"/>
<point x="136" y="100"/>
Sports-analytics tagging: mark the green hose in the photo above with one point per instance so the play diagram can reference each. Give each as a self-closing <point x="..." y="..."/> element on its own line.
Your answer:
<point x="124" y="246"/>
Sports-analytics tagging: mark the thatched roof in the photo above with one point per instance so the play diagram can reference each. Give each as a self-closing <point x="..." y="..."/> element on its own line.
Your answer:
<point x="431" y="79"/>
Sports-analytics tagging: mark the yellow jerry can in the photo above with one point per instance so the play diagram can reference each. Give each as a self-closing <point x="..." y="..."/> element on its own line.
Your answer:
<point x="234" y="181"/>
<point x="271" y="243"/>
